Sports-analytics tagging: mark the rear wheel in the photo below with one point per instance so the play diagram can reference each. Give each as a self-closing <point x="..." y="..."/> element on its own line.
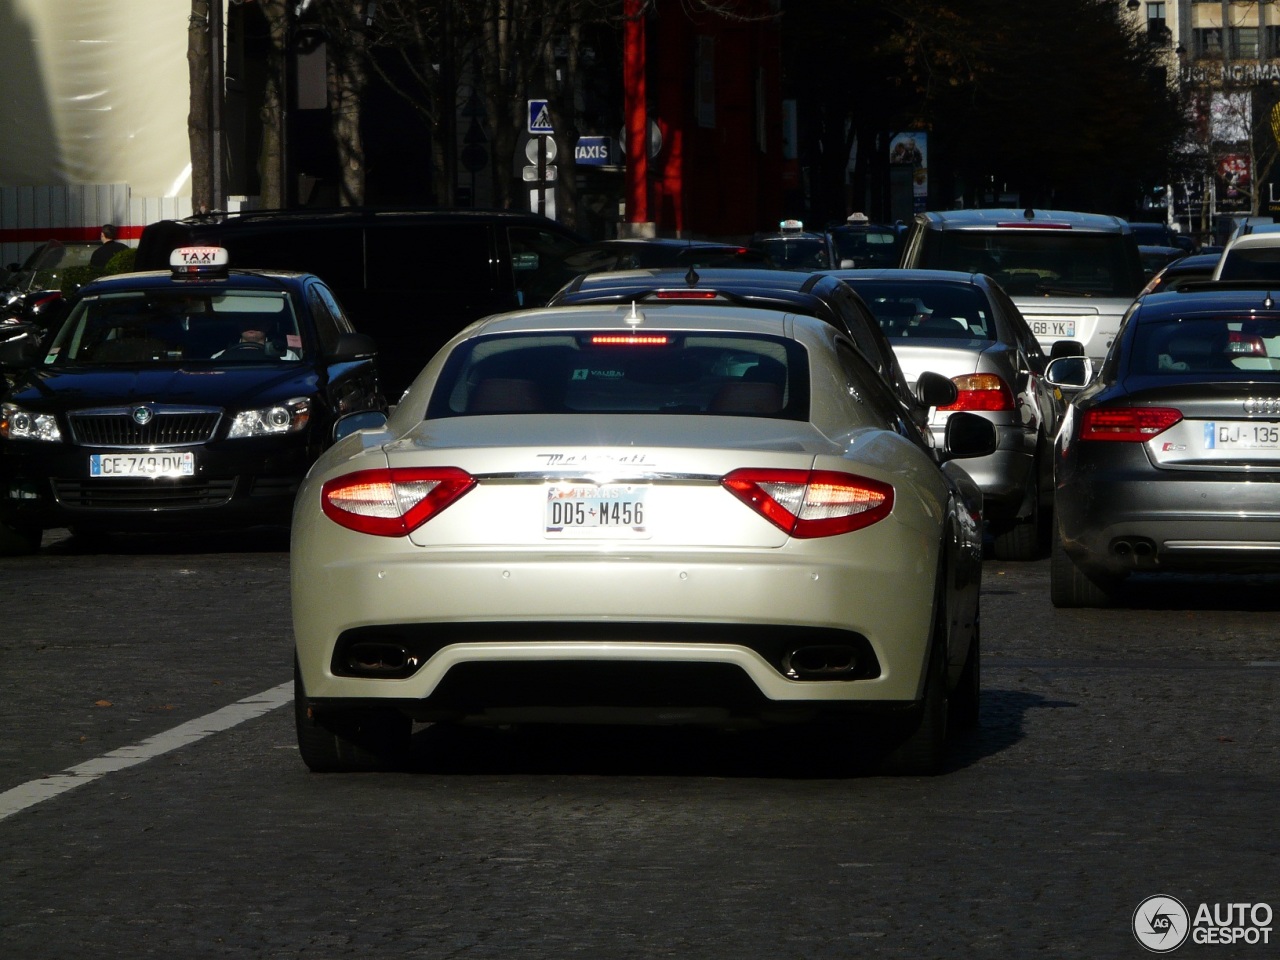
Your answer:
<point x="967" y="696"/>
<point x="1020" y="538"/>
<point x="345" y="741"/>
<point x="921" y="752"/>
<point x="1069" y="586"/>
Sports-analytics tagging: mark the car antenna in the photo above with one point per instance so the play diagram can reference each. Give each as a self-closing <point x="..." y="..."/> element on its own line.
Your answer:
<point x="692" y="278"/>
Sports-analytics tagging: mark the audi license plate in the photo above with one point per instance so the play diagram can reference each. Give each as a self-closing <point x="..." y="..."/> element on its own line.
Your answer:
<point x="1057" y="329"/>
<point x="1241" y="435"/>
<point x="142" y="464"/>
<point x="595" y="510"/>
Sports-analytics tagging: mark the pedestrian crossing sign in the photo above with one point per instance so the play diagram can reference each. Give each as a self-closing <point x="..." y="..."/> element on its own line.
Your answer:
<point x="539" y="118"/>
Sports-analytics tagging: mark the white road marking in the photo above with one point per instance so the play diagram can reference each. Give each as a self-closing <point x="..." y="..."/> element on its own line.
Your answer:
<point x="36" y="791"/>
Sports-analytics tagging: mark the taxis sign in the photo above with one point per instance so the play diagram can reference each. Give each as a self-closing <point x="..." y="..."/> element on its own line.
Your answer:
<point x="593" y="151"/>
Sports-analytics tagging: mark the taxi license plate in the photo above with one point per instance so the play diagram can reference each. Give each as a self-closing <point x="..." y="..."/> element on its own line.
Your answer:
<point x="590" y="510"/>
<point x="1241" y="435"/>
<point x="142" y="464"/>
<point x="1058" y="329"/>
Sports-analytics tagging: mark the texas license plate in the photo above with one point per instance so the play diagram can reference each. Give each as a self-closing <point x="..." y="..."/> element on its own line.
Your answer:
<point x="142" y="464"/>
<point x="1055" y="329"/>
<point x="1241" y="435"/>
<point x="595" y="510"/>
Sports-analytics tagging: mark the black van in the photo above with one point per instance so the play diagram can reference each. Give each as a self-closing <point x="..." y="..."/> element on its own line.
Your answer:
<point x="411" y="279"/>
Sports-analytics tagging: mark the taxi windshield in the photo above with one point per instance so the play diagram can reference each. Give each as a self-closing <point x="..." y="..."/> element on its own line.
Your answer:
<point x="213" y="327"/>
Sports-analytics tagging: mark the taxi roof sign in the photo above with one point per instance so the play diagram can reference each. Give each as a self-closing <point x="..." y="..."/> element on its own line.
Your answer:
<point x="199" y="260"/>
<point x="791" y="226"/>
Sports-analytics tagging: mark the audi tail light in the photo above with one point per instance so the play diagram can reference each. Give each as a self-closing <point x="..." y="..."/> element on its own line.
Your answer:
<point x="392" y="502"/>
<point x="980" y="391"/>
<point x="1131" y="424"/>
<point x="812" y="503"/>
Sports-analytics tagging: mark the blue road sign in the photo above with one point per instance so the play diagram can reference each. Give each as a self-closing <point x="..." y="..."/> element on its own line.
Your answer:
<point x="539" y="118"/>
<point x="593" y="151"/>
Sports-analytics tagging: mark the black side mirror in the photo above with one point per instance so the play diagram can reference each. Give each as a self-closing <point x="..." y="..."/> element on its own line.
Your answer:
<point x="935" y="390"/>
<point x="19" y="346"/>
<point x="969" y="435"/>
<point x="354" y="346"/>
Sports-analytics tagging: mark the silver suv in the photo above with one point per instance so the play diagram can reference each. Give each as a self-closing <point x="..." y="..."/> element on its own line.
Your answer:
<point x="1073" y="275"/>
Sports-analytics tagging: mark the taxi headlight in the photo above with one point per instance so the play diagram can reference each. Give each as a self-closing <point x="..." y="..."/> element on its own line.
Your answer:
<point x="288" y="417"/>
<point x="19" y="424"/>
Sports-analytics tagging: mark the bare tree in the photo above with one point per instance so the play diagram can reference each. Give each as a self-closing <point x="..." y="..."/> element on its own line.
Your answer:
<point x="199" y="127"/>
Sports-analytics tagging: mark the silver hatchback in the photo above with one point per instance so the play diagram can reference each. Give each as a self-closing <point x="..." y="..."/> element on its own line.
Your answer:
<point x="965" y="327"/>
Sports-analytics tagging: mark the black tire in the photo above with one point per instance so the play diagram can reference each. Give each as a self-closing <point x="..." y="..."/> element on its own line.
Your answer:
<point x="349" y="741"/>
<point x="922" y="750"/>
<point x="1069" y="586"/>
<point x="1020" y="539"/>
<point x="19" y="540"/>
<point x="966" y="699"/>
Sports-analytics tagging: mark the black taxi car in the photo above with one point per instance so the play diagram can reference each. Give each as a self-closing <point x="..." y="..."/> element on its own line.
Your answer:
<point x="184" y="399"/>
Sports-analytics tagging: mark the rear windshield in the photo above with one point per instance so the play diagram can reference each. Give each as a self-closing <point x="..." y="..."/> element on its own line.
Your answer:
<point x="928" y="311"/>
<point x="796" y="253"/>
<point x="1251" y="263"/>
<point x="648" y="373"/>
<point x="1217" y="346"/>
<point x="1045" y="262"/>
<point x="866" y="248"/>
<point x="179" y="326"/>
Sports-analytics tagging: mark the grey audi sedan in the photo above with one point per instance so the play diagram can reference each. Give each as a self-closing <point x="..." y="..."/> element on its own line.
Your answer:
<point x="1169" y="459"/>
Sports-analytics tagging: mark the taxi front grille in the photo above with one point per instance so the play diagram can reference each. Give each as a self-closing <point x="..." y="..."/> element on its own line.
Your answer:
<point x="150" y="494"/>
<point x="167" y="427"/>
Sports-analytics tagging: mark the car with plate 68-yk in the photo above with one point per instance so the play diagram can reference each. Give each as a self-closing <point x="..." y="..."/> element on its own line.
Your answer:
<point x="1168" y="461"/>
<point x="190" y="398"/>
<point x="662" y="513"/>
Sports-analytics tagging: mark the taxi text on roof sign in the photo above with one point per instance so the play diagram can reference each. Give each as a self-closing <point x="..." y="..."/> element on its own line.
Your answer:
<point x="192" y="257"/>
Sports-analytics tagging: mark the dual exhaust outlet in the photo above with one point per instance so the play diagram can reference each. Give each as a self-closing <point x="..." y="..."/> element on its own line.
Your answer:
<point x="1134" y="548"/>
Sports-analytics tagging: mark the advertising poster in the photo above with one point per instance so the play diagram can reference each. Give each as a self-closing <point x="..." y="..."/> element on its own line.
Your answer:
<point x="912" y="148"/>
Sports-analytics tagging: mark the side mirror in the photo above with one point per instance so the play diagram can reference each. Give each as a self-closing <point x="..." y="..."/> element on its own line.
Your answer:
<point x="354" y="346"/>
<point x="360" y="420"/>
<point x="1066" y="348"/>
<point x="19" y="346"/>
<point x="1070" y="372"/>
<point x="969" y="435"/>
<point x="935" y="390"/>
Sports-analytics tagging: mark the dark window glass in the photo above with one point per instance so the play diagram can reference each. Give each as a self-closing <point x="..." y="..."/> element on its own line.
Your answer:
<point x="1218" y="346"/>
<point x="605" y="372"/>
<point x="1045" y="263"/>
<point x="427" y="257"/>
<point x="915" y="310"/>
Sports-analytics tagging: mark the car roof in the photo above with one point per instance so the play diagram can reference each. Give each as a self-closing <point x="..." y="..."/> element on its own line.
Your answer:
<point x="1027" y="218"/>
<point x="912" y="275"/>
<point x="638" y="317"/>
<point x="1210" y="297"/>
<point x="244" y="279"/>
<point x="1263" y="238"/>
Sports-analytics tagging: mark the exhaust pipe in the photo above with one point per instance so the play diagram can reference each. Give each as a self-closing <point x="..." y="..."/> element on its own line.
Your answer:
<point x="824" y="662"/>
<point x="1136" y="549"/>
<point x="379" y="659"/>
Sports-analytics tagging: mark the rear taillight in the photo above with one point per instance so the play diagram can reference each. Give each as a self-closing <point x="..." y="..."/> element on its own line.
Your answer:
<point x="392" y="502"/>
<point x="981" y="391"/>
<point x="1245" y="345"/>
<point x="1132" y="424"/>
<point x="812" y="503"/>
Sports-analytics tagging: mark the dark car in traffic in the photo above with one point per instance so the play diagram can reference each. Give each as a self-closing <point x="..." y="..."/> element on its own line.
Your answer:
<point x="1169" y="459"/>
<point x="644" y="253"/>
<point x="191" y="398"/>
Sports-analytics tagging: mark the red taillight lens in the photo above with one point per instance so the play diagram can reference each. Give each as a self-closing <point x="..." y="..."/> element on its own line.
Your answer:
<point x="1132" y="424"/>
<point x="812" y="503"/>
<point x="392" y="503"/>
<point x="981" y="391"/>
